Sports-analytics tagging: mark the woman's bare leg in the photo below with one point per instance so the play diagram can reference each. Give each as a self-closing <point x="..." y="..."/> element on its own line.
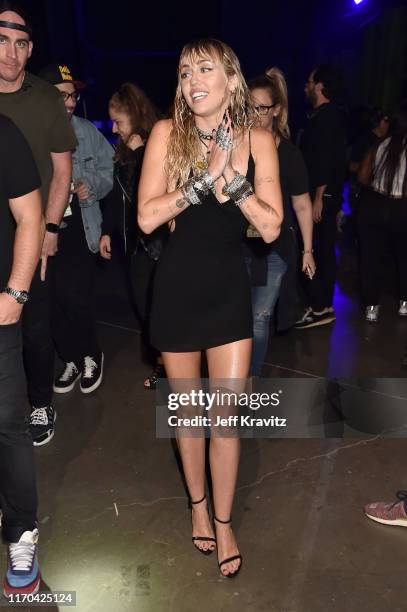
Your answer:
<point x="231" y="361"/>
<point x="186" y="367"/>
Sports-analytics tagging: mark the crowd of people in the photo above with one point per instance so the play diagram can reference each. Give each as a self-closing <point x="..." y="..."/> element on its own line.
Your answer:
<point x="222" y="224"/>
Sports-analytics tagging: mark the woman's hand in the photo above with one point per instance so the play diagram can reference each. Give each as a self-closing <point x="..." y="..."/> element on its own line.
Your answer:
<point x="81" y="190"/>
<point x="317" y="208"/>
<point x="308" y="264"/>
<point x="134" y="142"/>
<point x="220" y="148"/>
<point x="105" y="247"/>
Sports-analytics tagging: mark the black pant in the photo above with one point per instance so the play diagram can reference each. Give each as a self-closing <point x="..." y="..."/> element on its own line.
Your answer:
<point x="38" y="347"/>
<point x="71" y="295"/>
<point x="142" y="269"/>
<point x="18" y="493"/>
<point x="382" y="230"/>
<point x="320" y="290"/>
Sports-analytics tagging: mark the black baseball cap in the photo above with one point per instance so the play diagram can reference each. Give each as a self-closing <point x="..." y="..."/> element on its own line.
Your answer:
<point x="60" y="73"/>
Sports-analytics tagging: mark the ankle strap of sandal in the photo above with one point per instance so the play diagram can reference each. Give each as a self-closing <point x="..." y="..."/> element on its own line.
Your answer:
<point x="223" y="522"/>
<point x="199" y="500"/>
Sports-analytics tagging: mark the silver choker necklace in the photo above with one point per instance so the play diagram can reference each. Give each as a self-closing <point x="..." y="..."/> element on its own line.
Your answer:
<point x="204" y="135"/>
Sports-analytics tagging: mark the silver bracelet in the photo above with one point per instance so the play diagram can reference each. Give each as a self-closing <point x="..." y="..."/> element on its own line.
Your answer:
<point x="235" y="184"/>
<point x="208" y="180"/>
<point x="243" y="196"/>
<point x="189" y="193"/>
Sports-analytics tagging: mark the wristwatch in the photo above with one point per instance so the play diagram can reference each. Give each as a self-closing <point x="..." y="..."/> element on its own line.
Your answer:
<point x="21" y="297"/>
<point x="52" y="228"/>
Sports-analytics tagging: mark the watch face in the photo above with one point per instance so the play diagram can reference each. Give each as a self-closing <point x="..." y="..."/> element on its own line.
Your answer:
<point x="23" y="297"/>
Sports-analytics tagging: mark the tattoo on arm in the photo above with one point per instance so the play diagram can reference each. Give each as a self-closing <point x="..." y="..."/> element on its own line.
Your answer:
<point x="181" y="202"/>
<point x="264" y="179"/>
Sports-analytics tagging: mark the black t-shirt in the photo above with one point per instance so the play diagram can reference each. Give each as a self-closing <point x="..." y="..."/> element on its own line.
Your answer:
<point x="323" y="145"/>
<point x="37" y="109"/>
<point x="18" y="176"/>
<point x="293" y="182"/>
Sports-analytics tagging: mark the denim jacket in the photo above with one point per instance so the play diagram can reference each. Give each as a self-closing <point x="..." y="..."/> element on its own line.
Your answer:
<point x="92" y="162"/>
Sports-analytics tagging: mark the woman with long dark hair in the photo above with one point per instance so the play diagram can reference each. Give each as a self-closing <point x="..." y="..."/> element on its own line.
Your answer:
<point x="273" y="267"/>
<point x="209" y="173"/>
<point x="133" y="116"/>
<point x="383" y="216"/>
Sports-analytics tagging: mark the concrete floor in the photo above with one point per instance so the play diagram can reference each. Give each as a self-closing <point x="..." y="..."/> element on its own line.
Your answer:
<point x="113" y="514"/>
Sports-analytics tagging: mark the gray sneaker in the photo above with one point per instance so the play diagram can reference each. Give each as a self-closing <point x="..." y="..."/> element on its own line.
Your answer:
<point x="403" y="308"/>
<point x="372" y="313"/>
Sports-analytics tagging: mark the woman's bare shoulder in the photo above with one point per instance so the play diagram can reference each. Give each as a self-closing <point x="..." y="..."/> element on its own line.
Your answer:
<point x="163" y="127"/>
<point x="261" y="137"/>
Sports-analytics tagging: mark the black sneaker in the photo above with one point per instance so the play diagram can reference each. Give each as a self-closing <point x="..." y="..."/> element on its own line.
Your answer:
<point x="67" y="379"/>
<point x="311" y="319"/>
<point x="92" y="373"/>
<point x="42" y="424"/>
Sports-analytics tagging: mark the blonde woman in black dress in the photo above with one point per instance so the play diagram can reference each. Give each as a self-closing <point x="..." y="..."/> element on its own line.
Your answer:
<point x="208" y="174"/>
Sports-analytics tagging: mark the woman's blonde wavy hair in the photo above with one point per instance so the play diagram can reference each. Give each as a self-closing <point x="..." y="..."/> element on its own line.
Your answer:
<point x="184" y="148"/>
<point x="273" y="80"/>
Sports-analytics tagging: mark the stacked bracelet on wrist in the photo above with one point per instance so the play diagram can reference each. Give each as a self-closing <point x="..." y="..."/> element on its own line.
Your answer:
<point x="197" y="187"/>
<point x="238" y="190"/>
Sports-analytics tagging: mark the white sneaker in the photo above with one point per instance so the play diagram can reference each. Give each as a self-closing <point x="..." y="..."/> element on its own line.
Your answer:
<point x="67" y="379"/>
<point x="372" y="313"/>
<point x="403" y="308"/>
<point x="23" y="574"/>
<point x="92" y="373"/>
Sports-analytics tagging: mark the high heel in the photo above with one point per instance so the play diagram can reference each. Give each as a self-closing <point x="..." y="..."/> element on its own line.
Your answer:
<point x="229" y="559"/>
<point x="150" y="382"/>
<point x="202" y="538"/>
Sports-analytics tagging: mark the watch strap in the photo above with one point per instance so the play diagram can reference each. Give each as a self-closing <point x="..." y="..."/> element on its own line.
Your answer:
<point x="19" y="295"/>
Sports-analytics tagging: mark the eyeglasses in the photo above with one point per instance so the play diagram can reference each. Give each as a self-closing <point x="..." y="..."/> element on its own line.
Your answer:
<point x="74" y="95"/>
<point x="262" y="109"/>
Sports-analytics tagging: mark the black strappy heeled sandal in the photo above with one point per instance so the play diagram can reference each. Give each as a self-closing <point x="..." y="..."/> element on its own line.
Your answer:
<point x="209" y="551"/>
<point x="229" y="559"/>
<point x="158" y="372"/>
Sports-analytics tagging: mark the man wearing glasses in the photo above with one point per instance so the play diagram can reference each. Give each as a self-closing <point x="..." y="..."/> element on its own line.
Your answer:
<point x="38" y="111"/>
<point x="74" y="266"/>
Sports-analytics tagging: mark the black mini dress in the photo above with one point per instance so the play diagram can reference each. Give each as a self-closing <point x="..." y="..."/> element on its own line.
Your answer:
<point x="201" y="292"/>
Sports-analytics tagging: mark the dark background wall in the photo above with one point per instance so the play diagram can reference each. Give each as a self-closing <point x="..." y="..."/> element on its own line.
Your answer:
<point x="140" y="41"/>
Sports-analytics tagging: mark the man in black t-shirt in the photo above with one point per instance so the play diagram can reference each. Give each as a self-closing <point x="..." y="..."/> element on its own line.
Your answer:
<point x="323" y="145"/>
<point x="36" y="108"/>
<point x="21" y="235"/>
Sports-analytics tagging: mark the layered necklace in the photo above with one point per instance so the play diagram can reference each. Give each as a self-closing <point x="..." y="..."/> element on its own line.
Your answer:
<point x="203" y="135"/>
<point x="202" y="164"/>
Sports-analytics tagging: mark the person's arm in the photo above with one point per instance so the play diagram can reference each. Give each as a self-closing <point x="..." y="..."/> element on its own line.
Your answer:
<point x="57" y="201"/>
<point x="365" y="174"/>
<point x="111" y="207"/>
<point x="327" y="134"/>
<point x="155" y="205"/>
<point x="318" y="203"/>
<point x="103" y="154"/>
<point x="264" y="209"/>
<point x="29" y="235"/>
<point x="354" y="166"/>
<point x="303" y="211"/>
<point x="104" y="166"/>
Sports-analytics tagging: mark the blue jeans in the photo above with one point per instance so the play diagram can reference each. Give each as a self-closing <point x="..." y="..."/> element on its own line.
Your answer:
<point x="264" y="299"/>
